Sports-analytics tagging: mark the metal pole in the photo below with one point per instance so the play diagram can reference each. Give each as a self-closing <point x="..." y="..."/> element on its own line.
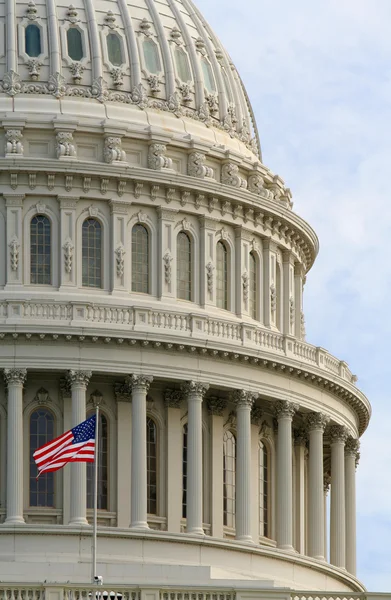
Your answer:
<point x="95" y="521"/>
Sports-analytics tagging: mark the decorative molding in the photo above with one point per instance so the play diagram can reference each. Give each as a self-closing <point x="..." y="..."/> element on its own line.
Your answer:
<point x="243" y="398"/>
<point x="230" y="176"/>
<point x="256" y="415"/>
<point x="139" y="382"/>
<point x="338" y="434"/>
<point x="156" y="157"/>
<point x="210" y="277"/>
<point x="273" y="298"/>
<point x="14" y="246"/>
<point x="300" y="436"/>
<point x="216" y="405"/>
<point x="352" y="448"/>
<point x="68" y="248"/>
<point x="65" y="388"/>
<point x="246" y="285"/>
<point x="291" y="310"/>
<point x="167" y="260"/>
<point x="196" y="166"/>
<point x="120" y="260"/>
<point x="42" y="397"/>
<point x="123" y="392"/>
<point x="266" y="431"/>
<point x="14" y="144"/>
<point x="113" y="152"/>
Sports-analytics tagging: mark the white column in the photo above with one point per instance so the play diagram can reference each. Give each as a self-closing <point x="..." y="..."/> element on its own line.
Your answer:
<point x="338" y="436"/>
<point x="326" y="489"/>
<point x="216" y="407"/>
<point x="316" y="423"/>
<point x="14" y="379"/>
<point x="284" y="412"/>
<point x="79" y="382"/>
<point x="243" y="401"/>
<point x="138" y="510"/>
<point x="123" y="397"/>
<point x="194" y="392"/>
<point x="300" y="439"/>
<point x="173" y="400"/>
<point x="351" y="458"/>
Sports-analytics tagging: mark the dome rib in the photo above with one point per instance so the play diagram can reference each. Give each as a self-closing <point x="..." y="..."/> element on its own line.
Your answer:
<point x="54" y="42"/>
<point x="96" y="58"/>
<point x="167" y="59"/>
<point x="134" y="59"/>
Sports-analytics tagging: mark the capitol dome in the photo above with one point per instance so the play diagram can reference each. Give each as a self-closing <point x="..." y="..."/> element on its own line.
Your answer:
<point x="151" y="263"/>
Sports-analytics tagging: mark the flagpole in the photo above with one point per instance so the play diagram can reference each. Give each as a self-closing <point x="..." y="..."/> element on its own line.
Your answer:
<point x="95" y="521"/>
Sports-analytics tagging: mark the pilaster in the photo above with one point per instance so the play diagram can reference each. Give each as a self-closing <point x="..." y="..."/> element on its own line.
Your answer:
<point x="207" y="261"/>
<point x="119" y="250"/>
<point x="166" y="269"/>
<point x="14" y="240"/>
<point x="288" y="300"/>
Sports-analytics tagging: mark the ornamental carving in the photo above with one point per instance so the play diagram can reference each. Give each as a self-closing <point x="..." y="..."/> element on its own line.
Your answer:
<point x="300" y="436"/>
<point x="11" y="83"/>
<point x="185" y="91"/>
<point x="317" y="421"/>
<point x="172" y="398"/>
<point x="291" y="310"/>
<point x="256" y="185"/>
<point x="117" y="75"/>
<point x="68" y="248"/>
<point x="15" y="376"/>
<point x="246" y="285"/>
<point x="352" y="448"/>
<point x="338" y="434"/>
<point x="256" y="415"/>
<point x="210" y="277"/>
<point x="79" y="378"/>
<point x="302" y="326"/>
<point x="216" y="406"/>
<point x="110" y="20"/>
<point x="230" y="176"/>
<point x="167" y="260"/>
<point x="31" y="11"/>
<point x="243" y="398"/>
<point x="273" y="298"/>
<point x="157" y="159"/>
<point x="154" y="83"/>
<point x="120" y="260"/>
<point x="14" y="141"/>
<point x="65" y="145"/>
<point x="77" y="71"/>
<point x="42" y="397"/>
<point x="113" y="150"/>
<point x="196" y="166"/>
<point x="266" y="431"/>
<point x="139" y="382"/>
<point x="34" y="68"/>
<point x="122" y="392"/>
<point x="285" y="410"/>
<point x="14" y="246"/>
<point x="72" y="15"/>
<point x="211" y="100"/>
<point x="65" y="388"/>
<point x="194" y="388"/>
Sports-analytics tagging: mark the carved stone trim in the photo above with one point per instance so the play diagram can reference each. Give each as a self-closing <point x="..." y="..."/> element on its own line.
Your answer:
<point x="338" y="434"/>
<point x="65" y="145"/>
<point x="68" y="248"/>
<point x="194" y="388"/>
<point x="42" y="396"/>
<point x="113" y="150"/>
<point x="243" y="398"/>
<point x="15" y="376"/>
<point x="122" y="392"/>
<point x="157" y="159"/>
<point x="256" y="415"/>
<point x="352" y="448"/>
<point x="167" y="260"/>
<point x="216" y="406"/>
<point x="14" y="144"/>
<point x="316" y="421"/>
<point x="139" y="382"/>
<point x="285" y="410"/>
<point x="196" y="166"/>
<point x="65" y="388"/>
<point x="230" y="176"/>
<point x="120" y="260"/>
<point x="79" y="378"/>
<point x="172" y="398"/>
<point x="14" y="246"/>
<point x="300" y="436"/>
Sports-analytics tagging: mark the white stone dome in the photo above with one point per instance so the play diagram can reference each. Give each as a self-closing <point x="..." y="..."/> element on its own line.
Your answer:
<point x="154" y="56"/>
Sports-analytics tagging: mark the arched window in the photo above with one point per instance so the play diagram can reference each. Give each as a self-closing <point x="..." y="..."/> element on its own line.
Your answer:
<point x="151" y="467"/>
<point x="40" y="250"/>
<point x="75" y="44"/>
<point x="182" y="64"/>
<point x="209" y="80"/>
<point x="221" y="276"/>
<point x="184" y="472"/>
<point x="114" y="49"/>
<point x="140" y="259"/>
<point x="32" y="38"/>
<point x="252" y="297"/>
<point x="41" y="492"/>
<point x="151" y="56"/>
<point x="103" y="447"/>
<point x="92" y="253"/>
<point x="183" y="266"/>
<point x="263" y="489"/>
<point x="229" y="478"/>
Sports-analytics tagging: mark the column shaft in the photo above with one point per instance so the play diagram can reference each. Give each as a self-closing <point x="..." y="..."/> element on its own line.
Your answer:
<point x="244" y="401"/>
<point x="15" y="379"/>
<point x="138" y="511"/>
<point x="174" y="460"/>
<point x="216" y="408"/>
<point x="351" y="456"/>
<point x="316" y="424"/>
<point x="299" y="523"/>
<point x="337" y="500"/>
<point x="79" y="381"/>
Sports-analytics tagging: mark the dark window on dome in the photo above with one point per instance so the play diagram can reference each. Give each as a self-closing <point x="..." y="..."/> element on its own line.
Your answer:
<point x="92" y="253"/>
<point x="140" y="259"/>
<point x="151" y="467"/>
<point x="40" y="250"/>
<point x="221" y="276"/>
<point x="33" y="40"/>
<point x="208" y="76"/>
<point x="182" y="64"/>
<point x="75" y="44"/>
<point x="114" y="49"/>
<point x="183" y="266"/>
<point x="151" y="56"/>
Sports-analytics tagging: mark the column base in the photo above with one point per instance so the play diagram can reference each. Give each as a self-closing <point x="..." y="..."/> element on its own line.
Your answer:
<point x="140" y="526"/>
<point x="15" y="521"/>
<point x="79" y="521"/>
<point x="195" y="531"/>
<point x="244" y="538"/>
<point x="320" y="557"/>
<point x="286" y="547"/>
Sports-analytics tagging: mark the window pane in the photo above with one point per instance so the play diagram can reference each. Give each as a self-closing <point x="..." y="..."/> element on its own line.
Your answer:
<point x="33" y="40"/>
<point x="184" y="473"/>
<point x="151" y="467"/>
<point x="140" y="259"/>
<point x="221" y="276"/>
<point x="253" y="286"/>
<point x="91" y="253"/>
<point x="182" y="64"/>
<point x="183" y="266"/>
<point x="151" y="56"/>
<point x="75" y="44"/>
<point x="263" y="490"/>
<point x="40" y="250"/>
<point x="114" y="49"/>
<point x="208" y="76"/>
<point x="102" y="467"/>
<point x="41" y="432"/>
<point x="229" y="478"/>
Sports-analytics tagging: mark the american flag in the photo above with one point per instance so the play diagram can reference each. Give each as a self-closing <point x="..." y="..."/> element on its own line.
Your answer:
<point x="75" y="445"/>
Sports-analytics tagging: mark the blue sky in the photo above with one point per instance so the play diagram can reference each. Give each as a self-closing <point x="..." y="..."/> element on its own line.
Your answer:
<point x="319" y="78"/>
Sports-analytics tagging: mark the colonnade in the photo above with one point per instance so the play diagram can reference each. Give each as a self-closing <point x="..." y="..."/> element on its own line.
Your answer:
<point x="344" y="453"/>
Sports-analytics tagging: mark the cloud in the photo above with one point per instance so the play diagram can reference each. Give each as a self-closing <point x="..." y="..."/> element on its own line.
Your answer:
<point x="319" y="78"/>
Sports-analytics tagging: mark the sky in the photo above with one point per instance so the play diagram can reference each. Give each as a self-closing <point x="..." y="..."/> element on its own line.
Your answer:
<point x="318" y="74"/>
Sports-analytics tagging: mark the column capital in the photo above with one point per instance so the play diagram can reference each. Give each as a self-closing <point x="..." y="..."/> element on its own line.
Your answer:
<point x="15" y="376"/>
<point x="285" y="410"/>
<point x="216" y="406"/>
<point x="300" y="436"/>
<point x="122" y="392"/>
<point x="352" y="448"/>
<point x="243" y="398"/>
<point x="77" y="378"/>
<point x="141" y="382"/>
<point x="338" y="434"/>
<point x="194" y="388"/>
<point x="173" y="398"/>
<point x="326" y="481"/>
<point x="317" y="421"/>
<point x="256" y="415"/>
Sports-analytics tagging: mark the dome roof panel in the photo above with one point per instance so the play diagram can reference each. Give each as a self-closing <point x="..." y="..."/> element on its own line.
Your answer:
<point x="159" y="55"/>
